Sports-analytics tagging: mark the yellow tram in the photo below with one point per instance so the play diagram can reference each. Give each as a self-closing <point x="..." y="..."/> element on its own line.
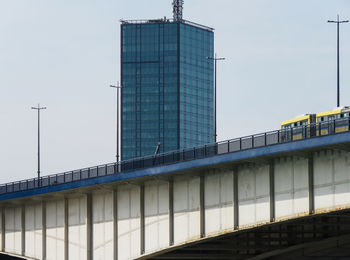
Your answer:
<point x="308" y="125"/>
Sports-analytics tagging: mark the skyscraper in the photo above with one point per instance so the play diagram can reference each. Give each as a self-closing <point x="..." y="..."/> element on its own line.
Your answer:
<point x="167" y="94"/>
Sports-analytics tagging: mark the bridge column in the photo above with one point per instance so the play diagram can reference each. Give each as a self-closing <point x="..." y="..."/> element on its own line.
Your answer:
<point x="272" y="190"/>
<point x="66" y="242"/>
<point x="171" y="212"/>
<point x="142" y="219"/>
<point x="3" y="229"/>
<point x="235" y="199"/>
<point x="23" y="231"/>
<point x="89" y="234"/>
<point x="43" y="226"/>
<point x="311" y="183"/>
<point x="115" y="224"/>
<point x="202" y="206"/>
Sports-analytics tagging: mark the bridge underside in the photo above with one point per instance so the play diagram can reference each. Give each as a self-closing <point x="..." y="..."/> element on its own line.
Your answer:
<point x="325" y="236"/>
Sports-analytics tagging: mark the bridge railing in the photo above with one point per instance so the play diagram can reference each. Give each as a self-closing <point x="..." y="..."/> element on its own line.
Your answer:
<point x="205" y="151"/>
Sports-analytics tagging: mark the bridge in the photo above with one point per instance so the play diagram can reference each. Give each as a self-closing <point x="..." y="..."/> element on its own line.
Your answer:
<point x="263" y="196"/>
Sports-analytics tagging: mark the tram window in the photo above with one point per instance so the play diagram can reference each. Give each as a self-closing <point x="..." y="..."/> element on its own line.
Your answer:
<point x="341" y="115"/>
<point x="346" y="114"/>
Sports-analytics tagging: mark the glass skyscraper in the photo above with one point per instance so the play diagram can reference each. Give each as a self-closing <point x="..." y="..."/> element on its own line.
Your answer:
<point x="167" y="94"/>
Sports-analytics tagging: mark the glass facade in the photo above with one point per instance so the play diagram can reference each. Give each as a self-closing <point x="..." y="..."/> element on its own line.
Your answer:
<point x="167" y="93"/>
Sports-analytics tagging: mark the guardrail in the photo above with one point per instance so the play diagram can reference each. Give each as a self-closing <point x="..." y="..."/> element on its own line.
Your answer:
<point x="229" y="146"/>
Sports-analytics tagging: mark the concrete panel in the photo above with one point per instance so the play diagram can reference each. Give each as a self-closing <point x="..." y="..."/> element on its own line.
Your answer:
<point x="55" y="230"/>
<point x="324" y="180"/>
<point x="186" y="209"/>
<point x="128" y="222"/>
<point x="33" y="231"/>
<point x="332" y="179"/>
<point x="323" y="168"/>
<point x="218" y="202"/>
<point x="102" y="225"/>
<point x="13" y="230"/>
<point x="156" y="216"/>
<point x="253" y="195"/>
<point x="291" y="187"/>
<point x="341" y="167"/>
<point x="77" y="210"/>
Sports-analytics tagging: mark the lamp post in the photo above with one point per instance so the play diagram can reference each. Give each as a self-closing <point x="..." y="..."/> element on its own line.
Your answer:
<point x="38" y="109"/>
<point x="117" y="88"/>
<point x="338" y="77"/>
<point x="215" y="59"/>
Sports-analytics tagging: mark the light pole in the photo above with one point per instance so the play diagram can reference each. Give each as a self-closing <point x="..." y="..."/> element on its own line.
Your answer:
<point x="38" y="108"/>
<point x="215" y="59"/>
<point x="338" y="77"/>
<point x="117" y="88"/>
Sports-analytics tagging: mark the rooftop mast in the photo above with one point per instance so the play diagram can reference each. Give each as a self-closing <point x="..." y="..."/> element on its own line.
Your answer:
<point x="177" y="10"/>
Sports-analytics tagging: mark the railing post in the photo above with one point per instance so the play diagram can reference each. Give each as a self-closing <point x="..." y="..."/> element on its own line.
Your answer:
<point x="252" y="141"/>
<point x="278" y="136"/>
<point x="240" y="144"/>
<point x="265" y="138"/>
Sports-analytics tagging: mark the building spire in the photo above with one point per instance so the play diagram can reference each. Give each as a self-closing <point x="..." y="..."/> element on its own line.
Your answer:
<point x="177" y="10"/>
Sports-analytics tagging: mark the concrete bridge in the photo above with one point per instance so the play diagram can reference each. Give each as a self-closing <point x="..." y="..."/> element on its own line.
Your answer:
<point x="249" y="198"/>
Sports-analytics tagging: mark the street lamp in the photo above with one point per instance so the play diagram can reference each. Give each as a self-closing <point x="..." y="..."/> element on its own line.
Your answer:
<point x="215" y="59"/>
<point x="38" y="108"/>
<point x="338" y="80"/>
<point x="117" y="88"/>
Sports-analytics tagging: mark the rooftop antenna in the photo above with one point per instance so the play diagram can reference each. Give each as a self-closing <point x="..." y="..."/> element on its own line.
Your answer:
<point x="177" y="10"/>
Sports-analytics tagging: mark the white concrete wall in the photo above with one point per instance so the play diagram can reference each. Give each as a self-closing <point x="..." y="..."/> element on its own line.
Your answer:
<point x="33" y="230"/>
<point x="13" y="230"/>
<point x="218" y="202"/>
<point x="253" y="194"/>
<point x="186" y="209"/>
<point x="156" y="215"/>
<point x="77" y="210"/>
<point x="128" y="222"/>
<point x="55" y="230"/>
<point x="332" y="179"/>
<point x="291" y="187"/>
<point x="102" y="214"/>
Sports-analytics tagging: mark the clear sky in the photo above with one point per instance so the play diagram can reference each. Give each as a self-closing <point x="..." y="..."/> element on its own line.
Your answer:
<point x="280" y="63"/>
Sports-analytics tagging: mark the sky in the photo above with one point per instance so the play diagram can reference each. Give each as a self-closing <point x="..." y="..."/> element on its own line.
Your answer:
<point x="64" y="54"/>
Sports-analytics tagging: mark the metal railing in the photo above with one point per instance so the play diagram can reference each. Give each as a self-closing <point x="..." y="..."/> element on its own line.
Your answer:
<point x="229" y="146"/>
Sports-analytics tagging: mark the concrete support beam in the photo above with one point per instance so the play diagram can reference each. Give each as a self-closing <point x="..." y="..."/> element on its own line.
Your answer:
<point x="311" y="183"/>
<point x="43" y="226"/>
<point x="3" y="229"/>
<point x="142" y="219"/>
<point x="23" y="230"/>
<point x="171" y="212"/>
<point x="202" y="206"/>
<point x="235" y="200"/>
<point x="89" y="230"/>
<point x="66" y="237"/>
<point x="272" y="190"/>
<point x="115" y="225"/>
